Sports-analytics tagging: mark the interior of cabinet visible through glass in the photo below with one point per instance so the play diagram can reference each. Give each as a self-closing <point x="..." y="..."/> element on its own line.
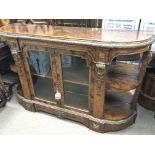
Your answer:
<point x="75" y="75"/>
<point x="41" y="72"/>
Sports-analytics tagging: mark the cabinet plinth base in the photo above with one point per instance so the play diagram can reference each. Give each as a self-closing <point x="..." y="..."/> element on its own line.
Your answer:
<point x="96" y="124"/>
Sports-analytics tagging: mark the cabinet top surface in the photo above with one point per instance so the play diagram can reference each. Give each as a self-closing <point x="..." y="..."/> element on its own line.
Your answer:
<point x="87" y="36"/>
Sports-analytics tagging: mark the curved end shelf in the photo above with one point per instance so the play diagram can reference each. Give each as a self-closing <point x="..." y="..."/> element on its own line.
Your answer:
<point x="117" y="106"/>
<point x="122" y="77"/>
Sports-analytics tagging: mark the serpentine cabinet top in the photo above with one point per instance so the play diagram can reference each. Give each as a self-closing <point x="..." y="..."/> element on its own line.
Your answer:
<point x="73" y="35"/>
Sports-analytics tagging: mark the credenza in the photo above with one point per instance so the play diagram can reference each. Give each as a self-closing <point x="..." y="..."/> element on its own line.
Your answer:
<point x="78" y="73"/>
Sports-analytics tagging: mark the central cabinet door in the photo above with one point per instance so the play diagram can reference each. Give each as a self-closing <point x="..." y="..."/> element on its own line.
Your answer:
<point x="75" y="79"/>
<point x="41" y="70"/>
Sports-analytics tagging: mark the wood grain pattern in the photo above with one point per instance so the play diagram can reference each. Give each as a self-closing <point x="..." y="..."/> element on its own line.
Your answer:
<point x="94" y="36"/>
<point x="117" y="105"/>
<point x="122" y="77"/>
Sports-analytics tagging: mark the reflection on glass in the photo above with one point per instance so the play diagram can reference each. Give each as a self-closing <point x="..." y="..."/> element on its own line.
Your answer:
<point x="40" y="63"/>
<point x="76" y="80"/>
<point x="40" y="67"/>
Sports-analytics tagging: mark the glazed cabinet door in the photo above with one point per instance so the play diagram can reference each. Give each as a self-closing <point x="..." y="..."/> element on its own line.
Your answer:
<point x="60" y="77"/>
<point x="74" y="76"/>
<point x="39" y="65"/>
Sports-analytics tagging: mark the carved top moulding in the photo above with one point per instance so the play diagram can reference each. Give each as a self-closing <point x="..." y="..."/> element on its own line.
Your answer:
<point x="73" y="35"/>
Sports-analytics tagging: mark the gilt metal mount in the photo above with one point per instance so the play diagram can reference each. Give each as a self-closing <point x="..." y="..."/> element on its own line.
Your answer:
<point x="100" y="71"/>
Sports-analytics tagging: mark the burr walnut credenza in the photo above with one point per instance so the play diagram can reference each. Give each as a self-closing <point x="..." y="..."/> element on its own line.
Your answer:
<point x="82" y="74"/>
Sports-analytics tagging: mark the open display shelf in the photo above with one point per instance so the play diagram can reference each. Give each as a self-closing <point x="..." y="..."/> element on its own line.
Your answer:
<point x="118" y="105"/>
<point x="122" y="77"/>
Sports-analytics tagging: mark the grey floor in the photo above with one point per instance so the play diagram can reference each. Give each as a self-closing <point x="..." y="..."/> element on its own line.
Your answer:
<point x="15" y="120"/>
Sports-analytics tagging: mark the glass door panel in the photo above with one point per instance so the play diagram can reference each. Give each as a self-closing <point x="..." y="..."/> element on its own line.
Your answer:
<point x="41" y="72"/>
<point x="75" y="75"/>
